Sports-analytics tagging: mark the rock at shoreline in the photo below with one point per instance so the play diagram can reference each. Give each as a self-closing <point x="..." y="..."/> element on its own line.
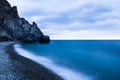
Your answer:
<point x="14" y="28"/>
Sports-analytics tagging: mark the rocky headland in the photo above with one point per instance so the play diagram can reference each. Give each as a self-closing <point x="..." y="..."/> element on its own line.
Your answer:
<point x="17" y="29"/>
<point x="14" y="29"/>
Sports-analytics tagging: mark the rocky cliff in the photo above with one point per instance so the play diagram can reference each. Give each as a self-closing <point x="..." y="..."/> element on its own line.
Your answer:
<point x="15" y="28"/>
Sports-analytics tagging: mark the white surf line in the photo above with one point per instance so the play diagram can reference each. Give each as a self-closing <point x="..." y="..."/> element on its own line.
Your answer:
<point x="65" y="73"/>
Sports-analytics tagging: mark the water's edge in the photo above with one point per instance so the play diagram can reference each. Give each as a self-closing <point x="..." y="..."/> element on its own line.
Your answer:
<point x="16" y="67"/>
<point x="64" y="72"/>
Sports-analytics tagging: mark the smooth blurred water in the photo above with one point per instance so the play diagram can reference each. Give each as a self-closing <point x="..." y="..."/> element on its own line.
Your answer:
<point x="98" y="59"/>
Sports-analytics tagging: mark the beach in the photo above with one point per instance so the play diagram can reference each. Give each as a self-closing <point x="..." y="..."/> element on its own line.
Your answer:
<point x="16" y="67"/>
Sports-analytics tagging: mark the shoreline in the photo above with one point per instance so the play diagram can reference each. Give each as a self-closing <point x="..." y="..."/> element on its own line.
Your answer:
<point x="18" y="67"/>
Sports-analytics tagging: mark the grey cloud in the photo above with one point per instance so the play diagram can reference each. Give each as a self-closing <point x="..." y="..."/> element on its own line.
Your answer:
<point x="72" y="15"/>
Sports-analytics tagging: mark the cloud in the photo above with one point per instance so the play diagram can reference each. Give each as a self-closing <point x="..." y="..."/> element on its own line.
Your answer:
<point x="71" y="18"/>
<point x="83" y="34"/>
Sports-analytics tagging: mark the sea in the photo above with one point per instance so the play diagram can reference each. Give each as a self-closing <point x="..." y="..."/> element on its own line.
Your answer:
<point x="77" y="59"/>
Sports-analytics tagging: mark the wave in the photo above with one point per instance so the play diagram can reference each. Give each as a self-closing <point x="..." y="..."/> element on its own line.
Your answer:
<point x="64" y="72"/>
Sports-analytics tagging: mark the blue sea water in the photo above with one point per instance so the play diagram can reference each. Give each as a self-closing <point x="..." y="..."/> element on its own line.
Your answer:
<point x="77" y="59"/>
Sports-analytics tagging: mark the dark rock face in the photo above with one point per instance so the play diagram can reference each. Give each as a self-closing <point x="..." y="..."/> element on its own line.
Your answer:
<point x="44" y="39"/>
<point x="14" y="28"/>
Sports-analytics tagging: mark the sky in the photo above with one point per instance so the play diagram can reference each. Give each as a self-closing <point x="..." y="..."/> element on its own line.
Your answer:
<point x="73" y="19"/>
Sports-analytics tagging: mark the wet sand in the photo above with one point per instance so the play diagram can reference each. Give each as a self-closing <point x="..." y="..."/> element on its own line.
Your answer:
<point x="16" y="67"/>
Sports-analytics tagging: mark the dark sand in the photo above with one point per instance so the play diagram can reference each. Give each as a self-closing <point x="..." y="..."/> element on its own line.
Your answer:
<point x="16" y="67"/>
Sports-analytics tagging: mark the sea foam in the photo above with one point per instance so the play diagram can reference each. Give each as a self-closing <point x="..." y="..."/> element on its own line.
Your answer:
<point x="64" y="72"/>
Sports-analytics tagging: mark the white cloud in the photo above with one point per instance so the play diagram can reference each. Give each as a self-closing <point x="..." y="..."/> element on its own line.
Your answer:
<point x="53" y="6"/>
<point x="68" y="19"/>
<point x="43" y="17"/>
<point x="83" y="34"/>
